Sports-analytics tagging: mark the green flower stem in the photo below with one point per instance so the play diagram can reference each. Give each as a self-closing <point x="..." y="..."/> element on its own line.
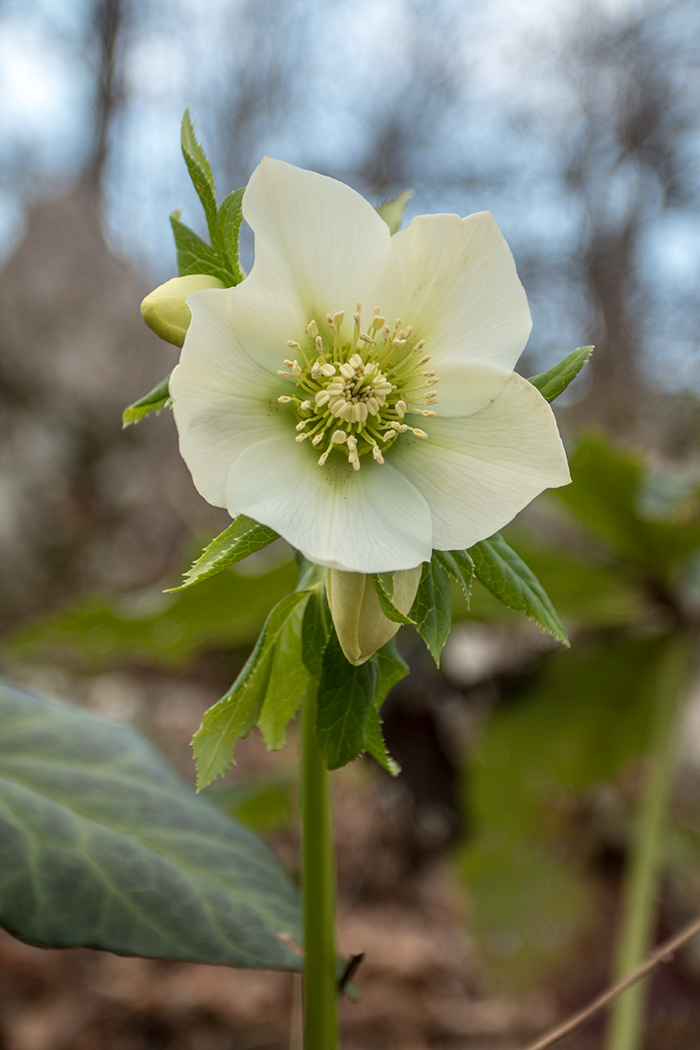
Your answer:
<point x="318" y="876"/>
<point x="625" y="1030"/>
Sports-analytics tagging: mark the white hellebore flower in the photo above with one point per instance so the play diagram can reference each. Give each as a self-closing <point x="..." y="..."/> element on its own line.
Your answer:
<point x="356" y="391"/>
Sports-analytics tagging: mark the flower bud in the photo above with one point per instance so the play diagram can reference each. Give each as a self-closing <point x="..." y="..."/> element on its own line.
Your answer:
<point x="165" y="309"/>
<point x="360" y="624"/>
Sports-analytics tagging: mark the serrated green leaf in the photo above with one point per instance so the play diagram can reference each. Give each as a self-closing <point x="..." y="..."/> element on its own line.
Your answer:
<point x="391" y="668"/>
<point x="460" y="566"/>
<point x="234" y="716"/>
<point x="376" y="746"/>
<point x="288" y="683"/>
<point x="230" y="219"/>
<point x="194" y="255"/>
<point x="154" y="401"/>
<point x="315" y="631"/>
<point x="225" y="612"/>
<point x="189" y="144"/>
<point x="555" y="380"/>
<point x="343" y="703"/>
<point x="202" y="180"/>
<point x="432" y="609"/>
<point x="607" y="497"/>
<point x="235" y="543"/>
<point x="506" y="575"/>
<point x="104" y="847"/>
<point x="384" y="586"/>
<point x="393" y="211"/>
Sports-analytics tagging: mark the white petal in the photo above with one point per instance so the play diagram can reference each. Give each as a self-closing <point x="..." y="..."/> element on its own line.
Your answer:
<point x="455" y="281"/>
<point x="464" y="388"/>
<point x="477" y="472"/>
<point x="222" y="400"/>
<point x="371" y="520"/>
<point x="314" y="235"/>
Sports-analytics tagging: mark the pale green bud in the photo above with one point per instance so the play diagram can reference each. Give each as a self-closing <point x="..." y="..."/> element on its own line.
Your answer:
<point x="359" y="622"/>
<point x="165" y="309"/>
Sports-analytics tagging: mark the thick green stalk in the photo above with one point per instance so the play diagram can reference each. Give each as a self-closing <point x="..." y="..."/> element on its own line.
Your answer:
<point x="627" y="1018"/>
<point x="318" y="877"/>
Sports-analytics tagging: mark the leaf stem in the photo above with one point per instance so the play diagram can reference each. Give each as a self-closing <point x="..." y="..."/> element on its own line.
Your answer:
<point x="672" y="671"/>
<point x="318" y="878"/>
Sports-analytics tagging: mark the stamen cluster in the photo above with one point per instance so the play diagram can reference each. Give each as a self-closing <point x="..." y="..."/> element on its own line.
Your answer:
<point x="353" y="397"/>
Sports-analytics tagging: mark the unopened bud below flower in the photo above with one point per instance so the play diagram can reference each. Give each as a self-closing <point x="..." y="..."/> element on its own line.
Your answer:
<point x="165" y="309"/>
<point x="360" y="624"/>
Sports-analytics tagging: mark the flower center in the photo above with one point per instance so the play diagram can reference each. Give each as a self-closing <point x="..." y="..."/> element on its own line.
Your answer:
<point x="354" y="397"/>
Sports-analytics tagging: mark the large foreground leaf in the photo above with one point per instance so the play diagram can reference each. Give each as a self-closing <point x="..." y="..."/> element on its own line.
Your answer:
<point x="102" y="846"/>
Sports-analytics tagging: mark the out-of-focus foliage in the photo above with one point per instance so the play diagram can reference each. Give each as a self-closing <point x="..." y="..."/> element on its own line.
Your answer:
<point x="225" y="611"/>
<point x="583" y="717"/>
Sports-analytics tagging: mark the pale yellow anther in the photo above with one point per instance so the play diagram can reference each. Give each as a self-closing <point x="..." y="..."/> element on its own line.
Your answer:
<point x="347" y="370"/>
<point x="328" y="370"/>
<point x="356" y="319"/>
<point x="355" y="464"/>
<point x="339" y="437"/>
<point x="284" y="400"/>
<point x="401" y="408"/>
<point x="305" y="406"/>
<point x="312" y="329"/>
<point x="317" y="440"/>
<point x="419" y="433"/>
<point x="428" y="412"/>
<point x="424" y="360"/>
<point x="377" y="454"/>
<point x="356" y="361"/>
<point x="300" y="426"/>
<point x="301" y="437"/>
<point x="319" y="344"/>
<point x="294" y="346"/>
<point x="329" y="321"/>
<point x="419" y="346"/>
<point x="285" y="375"/>
<point x="367" y="338"/>
<point x="322" y="398"/>
<point x="339" y="318"/>
<point x="431" y="382"/>
<point x="428" y="374"/>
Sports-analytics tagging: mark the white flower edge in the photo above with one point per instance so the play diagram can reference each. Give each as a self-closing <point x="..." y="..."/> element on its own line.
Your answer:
<point x="491" y="449"/>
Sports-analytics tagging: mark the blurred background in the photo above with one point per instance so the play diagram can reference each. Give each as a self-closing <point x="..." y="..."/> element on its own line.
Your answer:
<point x="484" y="884"/>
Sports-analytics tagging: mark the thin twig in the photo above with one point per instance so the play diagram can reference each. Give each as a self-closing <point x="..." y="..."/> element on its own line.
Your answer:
<point x="662" y="954"/>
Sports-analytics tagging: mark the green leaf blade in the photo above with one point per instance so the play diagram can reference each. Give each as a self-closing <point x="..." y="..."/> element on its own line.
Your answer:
<point x="384" y="586"/>
<point x="235" y="715"/>
<point x="195" y="256"/>
<point x="555" y="380"/>
<point x="104" y="847"/>
<point x="343" y="704"/>
<point x="202" y="180"/>
<point x="154" y="401"/>
<point x="460" y="566"/>
<point x="242" y="538"/>
<point x="432" y="608"/>
<point x="507" y="576"/>
<point x="230" y="218"/>
<point x="315" y="631"/>
<point x="289" y="681"/>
